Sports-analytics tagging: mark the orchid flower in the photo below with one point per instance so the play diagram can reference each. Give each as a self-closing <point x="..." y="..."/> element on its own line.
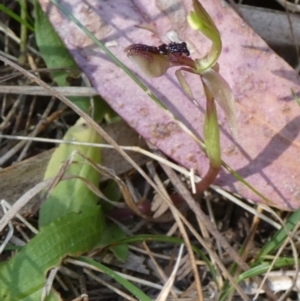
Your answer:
<point x="155" y="61"/>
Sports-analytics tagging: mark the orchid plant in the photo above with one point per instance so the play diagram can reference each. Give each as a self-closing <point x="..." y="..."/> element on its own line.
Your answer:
<point x="155" y="61"/>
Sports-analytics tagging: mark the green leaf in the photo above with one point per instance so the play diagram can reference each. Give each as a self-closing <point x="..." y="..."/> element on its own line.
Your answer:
<point x="113" y="233"/>
<point x="258" y="270"/>
<point x="56" y="56"/>
<point x="281" y="235"/>
<point x="135" y="291"/>
<point x="72" y="195"/>
<point x="75" y="233"/>
<point x="52" y="48"/>
<point x="15" y="16"/>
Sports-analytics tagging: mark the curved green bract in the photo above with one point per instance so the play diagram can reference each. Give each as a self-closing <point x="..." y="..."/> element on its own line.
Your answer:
<point x="23" y="276"/>
<point x="212" y="133"/>
<point x="222" y="93"/>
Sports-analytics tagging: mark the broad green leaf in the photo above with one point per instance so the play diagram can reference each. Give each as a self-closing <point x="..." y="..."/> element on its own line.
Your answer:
<point x="75" y="233"/>
<point x="56" y="56"/>
<point x="52" y="49"/>
<point x="72" y="195"/>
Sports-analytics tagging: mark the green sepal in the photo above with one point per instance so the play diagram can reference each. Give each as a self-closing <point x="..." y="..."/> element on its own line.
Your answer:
<point x="200" y="20"/>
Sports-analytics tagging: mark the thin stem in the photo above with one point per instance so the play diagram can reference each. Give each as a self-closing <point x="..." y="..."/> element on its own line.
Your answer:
<point x="23" y="44"/>
<point x="207" y="180"/>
